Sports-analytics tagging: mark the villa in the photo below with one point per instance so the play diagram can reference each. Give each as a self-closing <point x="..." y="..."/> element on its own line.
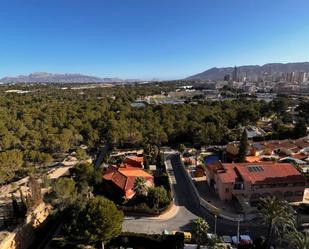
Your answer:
<point x="250" y="181"/>
<point x="123" y="178"/>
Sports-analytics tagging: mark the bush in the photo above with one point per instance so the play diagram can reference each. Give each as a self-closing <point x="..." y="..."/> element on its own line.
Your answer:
<point x="153" y="241"/>
<point x="164" y="181"/>
<point x="158" y="197"/>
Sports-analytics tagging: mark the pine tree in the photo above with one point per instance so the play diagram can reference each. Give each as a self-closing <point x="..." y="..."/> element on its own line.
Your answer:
<point x="35" y="190"/>
<point x="23" y="205"/>
<point x="243" y="147"/>
<point x="146" y="163"/>
<point x="15" y="207"/>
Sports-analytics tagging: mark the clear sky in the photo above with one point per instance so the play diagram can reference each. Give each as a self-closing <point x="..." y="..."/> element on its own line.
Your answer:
<point x="143" y="39"/>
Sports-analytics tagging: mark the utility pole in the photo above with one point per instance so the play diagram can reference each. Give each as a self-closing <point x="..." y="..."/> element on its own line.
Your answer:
<point x="238" y="224"/>
<point x="216" y="224"/>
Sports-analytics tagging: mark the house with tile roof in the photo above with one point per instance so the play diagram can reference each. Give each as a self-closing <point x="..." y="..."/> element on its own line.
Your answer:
<point x="251" y="181"/>
<point x="123" y="178"/>
<point x="134" y="161"/>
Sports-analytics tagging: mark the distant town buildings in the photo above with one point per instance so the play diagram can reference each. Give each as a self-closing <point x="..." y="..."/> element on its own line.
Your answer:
<point x="235" y="74"/>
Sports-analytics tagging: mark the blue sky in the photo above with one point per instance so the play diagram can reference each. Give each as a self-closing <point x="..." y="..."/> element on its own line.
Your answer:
<point x="143" y="39"/>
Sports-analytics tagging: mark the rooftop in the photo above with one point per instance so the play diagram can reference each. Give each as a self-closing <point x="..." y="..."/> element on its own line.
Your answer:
<point x="256" y="173"/>
<point x="125" y="177"/>
<point x="134" y="161"/>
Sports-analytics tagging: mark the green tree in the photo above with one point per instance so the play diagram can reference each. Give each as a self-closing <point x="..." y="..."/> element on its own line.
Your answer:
<point x="84" y="172"/>
<point x="158" y="197"/>
<point x="146" y="163"/>
<point x="10" y="162"/>
<point x="15" y="207"/>
<point x="23" y="204"/>
<point x="140" y="187"/>
<point x="201" y="230"/>
<point x="182" y="148"/>
<point x="81" y="154"/>
<point x="99" y="222"/>
<point x="300" y="129"/>
<point x="243" y="146"/>
<point x="277" y="215"/>
<point x="151" y="152"/>
<point x="65" y="192"/>
<point x="296" y="240"/>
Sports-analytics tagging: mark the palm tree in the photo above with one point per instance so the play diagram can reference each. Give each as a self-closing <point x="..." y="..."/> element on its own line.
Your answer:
<point x="243" y="147"/>
<point x="277" y="215"/>
<point x="297" y="240"/>
<point x="140" y="186"/>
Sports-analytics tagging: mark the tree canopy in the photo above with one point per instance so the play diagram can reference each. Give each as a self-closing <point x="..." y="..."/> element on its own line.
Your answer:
<point x="99" y="222"/>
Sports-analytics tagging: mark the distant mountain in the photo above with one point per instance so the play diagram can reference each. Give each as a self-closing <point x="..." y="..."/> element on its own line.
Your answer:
<point x="252" y="70"/>
<point x="57" y="78"/>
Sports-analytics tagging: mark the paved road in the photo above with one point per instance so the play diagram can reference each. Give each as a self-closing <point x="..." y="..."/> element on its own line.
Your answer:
<point x="189" y="209"/>
<point x="101" y="156"/>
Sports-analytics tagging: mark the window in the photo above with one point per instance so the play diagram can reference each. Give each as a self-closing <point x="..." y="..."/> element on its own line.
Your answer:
<point x="253" y="169"/>
<point x="227" y="190"/>
<point x="298" y="193"/>
<point x="238" y="186"/>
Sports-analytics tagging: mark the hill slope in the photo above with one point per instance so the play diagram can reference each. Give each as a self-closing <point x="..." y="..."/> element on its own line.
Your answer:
<point x="56" y="78"/>
<point x="252" y="70"/>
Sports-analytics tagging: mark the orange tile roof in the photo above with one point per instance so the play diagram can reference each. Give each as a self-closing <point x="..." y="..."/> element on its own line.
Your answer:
<point x="124" y="178"/>
<point x="253" y="159"/>
<point x="229" y="175"/>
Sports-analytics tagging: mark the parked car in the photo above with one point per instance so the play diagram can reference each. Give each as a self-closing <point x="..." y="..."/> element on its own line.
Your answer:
<point x="243" y="240"/>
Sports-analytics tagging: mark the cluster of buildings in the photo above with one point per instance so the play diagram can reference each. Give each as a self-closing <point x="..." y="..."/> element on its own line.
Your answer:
<point x="268" y="75"/>
<point x="272" y="168"/>
<point x="288" y="150"/>
<point x="294" y="82"/>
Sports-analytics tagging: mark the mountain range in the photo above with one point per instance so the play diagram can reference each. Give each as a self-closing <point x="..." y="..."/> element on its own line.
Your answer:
<point x="252" y="70"/>
<point x="43" y="77"/>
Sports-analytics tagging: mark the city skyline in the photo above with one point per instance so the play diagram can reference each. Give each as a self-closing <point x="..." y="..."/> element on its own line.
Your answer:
<point x="165" y="40"/>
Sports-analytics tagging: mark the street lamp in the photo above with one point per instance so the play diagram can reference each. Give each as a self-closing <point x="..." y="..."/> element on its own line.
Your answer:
<point x="216" y="224"/>
<point x="238" y="228"/>
<point x="216" y="213"/>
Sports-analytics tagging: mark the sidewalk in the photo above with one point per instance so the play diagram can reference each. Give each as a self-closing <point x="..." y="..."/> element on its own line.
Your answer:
<point x="169" y="214"/>
<point x="208" y="195"/>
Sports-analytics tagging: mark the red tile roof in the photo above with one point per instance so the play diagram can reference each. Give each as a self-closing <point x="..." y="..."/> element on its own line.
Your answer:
<point x="293" y="145"/>
<point x="124" y="178"/>
<point x="134" y="161"/>
<point x="229" y="175"/>
<point x="269" y="173"/>
<point x="300" y="156"/>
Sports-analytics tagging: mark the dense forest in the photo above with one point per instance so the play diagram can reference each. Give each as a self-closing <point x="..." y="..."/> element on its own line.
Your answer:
<point x="39" y="127"/>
